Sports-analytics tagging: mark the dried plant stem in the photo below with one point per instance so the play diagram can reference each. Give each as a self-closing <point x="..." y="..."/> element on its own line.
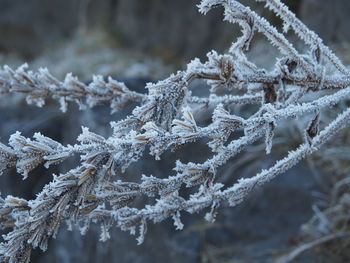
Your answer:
<point x="302" y="248"/>
<point x="300" y="86"/>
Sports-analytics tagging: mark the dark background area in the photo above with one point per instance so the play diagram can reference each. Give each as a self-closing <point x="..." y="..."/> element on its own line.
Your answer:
<point x="168" y="28"/>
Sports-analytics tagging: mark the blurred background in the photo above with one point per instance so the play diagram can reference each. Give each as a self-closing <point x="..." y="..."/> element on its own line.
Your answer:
<point x="140" y="41"/>
<point x="118" y="33"/>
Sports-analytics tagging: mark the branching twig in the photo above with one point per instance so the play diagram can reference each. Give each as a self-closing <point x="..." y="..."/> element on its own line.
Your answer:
<point x="166" y="119"/>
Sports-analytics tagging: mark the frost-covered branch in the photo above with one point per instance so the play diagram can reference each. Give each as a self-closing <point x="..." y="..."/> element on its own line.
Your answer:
<point x="41" y="85"/>
<point x="299" y="87"/>
<point x="304" y="33"/>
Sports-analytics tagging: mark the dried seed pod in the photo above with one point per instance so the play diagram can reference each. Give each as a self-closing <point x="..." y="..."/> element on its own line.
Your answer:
<point x="226" y="67"/>
<point x="316" y="54"/>
<point x="270" y="95"/>
<point x="313" y="129"/>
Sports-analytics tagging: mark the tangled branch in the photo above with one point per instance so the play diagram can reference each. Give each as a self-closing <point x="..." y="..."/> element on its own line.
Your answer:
<point x="299" y="85"/>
